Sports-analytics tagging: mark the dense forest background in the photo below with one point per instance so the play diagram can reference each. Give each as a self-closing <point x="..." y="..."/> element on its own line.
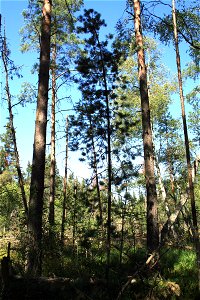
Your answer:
<point x="123" y="222"/>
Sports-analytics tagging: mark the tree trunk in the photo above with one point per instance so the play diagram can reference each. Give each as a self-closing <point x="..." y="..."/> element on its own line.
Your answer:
<point x="65" y="187"/>
<point x="96" y="175"/>
<point x="122" y="229"/>
<point x="74" y="214"/>
<point x="34" y="264"/>
<point x="11" y="123"/>
<point x="53" y="133"/>
<point x="109" y="164"/>
<point x="172" y="218"/>
<point x="152" y="222"/>
<point x="109" y="169"/>
<point x="187" y="147"/>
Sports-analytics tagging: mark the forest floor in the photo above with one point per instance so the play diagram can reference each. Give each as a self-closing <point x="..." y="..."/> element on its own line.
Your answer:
<point x="175" y="278"/>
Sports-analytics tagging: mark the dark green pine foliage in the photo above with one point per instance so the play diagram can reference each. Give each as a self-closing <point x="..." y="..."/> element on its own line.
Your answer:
<point x="89" y="126"/>
<point x="97" y="66"/>
<point x="91" y="116"/>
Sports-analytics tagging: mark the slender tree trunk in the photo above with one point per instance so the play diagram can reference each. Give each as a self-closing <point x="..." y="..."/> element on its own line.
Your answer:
<point x="187" y="147"/>
<point x="195" y="167"/>
<point x="109" y="165"/>
<point x="34" y="264"/>
<point x="65" y="186"/>
<point x="74" y="215"/>
<point x="96" y="175"/>
<point x="171" y="173"/>
<point x="11" y="122"/>
<point x="122" y="230"/>
<point x="152" y="222"/>
<point x="53" y="148"/>
<point x="162" y="188"/>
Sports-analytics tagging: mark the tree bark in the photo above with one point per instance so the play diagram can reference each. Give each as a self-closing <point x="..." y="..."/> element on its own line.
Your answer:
<point x="74" y="230"/>
<point x="172" y="218"/>
<point x="109" y="164"/>
<point x="53" y="146"/>
<point x="187" y="147"/>
<point x="34" y="264"/>
<point x="11" y="123"/>
<point x="96" y="175"/>
<point x="109" y="167"/>
<point x="152" y="222"/>
<point x="65" y="186"/>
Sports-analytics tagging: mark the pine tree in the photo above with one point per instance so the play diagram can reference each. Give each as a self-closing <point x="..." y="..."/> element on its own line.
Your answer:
<point x="97" y="67"/>
<point x="34" y="266"/>
<point x="152" y="221"/>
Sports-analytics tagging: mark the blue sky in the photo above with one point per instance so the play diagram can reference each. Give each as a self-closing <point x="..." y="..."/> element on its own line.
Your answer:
<point x="11" y="12"/>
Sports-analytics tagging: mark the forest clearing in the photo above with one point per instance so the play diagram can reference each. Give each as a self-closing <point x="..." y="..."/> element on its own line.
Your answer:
<point x="109" y="206"/>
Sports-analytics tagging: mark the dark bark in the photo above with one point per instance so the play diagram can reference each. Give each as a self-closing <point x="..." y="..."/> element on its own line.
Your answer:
<point x="109" y="165"/>
<point x="152" y="223"/>
<point x="34" y="266"/>
<point x="187" y="147"/>
<point x="53" y="148"/>
<point x="96" y="174"/>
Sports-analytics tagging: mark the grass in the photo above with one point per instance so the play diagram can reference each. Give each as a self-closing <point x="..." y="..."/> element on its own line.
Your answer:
<point x="180" y="266"/>
<point x="176" y="277"/>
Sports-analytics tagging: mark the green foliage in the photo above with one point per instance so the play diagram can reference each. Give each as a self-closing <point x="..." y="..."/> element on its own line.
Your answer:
<point x="7" y="157"/>
<point x="97" y="67"/>
<point x="82" y="258"/>
<point x="53" y="259"/>
<point x="194" y="115"/>
<point x="62" y="35"/>
<point x="28" y="94"/>
<point x="10" y="203"/>
<point x="179" y="266"/>
<point x="187" y="25"/>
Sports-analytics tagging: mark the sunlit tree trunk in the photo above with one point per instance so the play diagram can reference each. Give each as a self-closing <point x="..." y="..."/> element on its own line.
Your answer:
<point x="152" y="222"/>
<point x="74" y="214"/>
<point x="172" y="219"/>
<point x="187" y="147"/>
<point x="65" y="186"/>
<point x="53" y="145"/>
<point x="34" y="263"/>
<point x="123" y="214"/>
<point x="11" y="123"/>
